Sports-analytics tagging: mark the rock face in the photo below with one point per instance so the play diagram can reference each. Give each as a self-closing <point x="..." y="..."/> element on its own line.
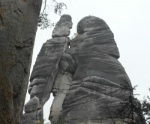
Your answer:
<point x="89" y="84"/>
<point x="18" y="25"/>
<point x="45" y="71"/>
<point x="100" y="91"/>
<point x="62" y="27"/>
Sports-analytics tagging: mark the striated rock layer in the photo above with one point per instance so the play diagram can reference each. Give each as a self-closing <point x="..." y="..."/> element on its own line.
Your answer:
<point x="89" y="84"/>
<point x="100" y="91"/>
<point x="45" y="71"/>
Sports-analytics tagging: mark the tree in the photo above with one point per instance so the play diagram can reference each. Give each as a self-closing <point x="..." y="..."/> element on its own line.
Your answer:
<point x="43" y="21"/>
<point x="146" y="108"/>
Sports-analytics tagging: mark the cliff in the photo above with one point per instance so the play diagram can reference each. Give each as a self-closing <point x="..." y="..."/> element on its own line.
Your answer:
<point x="18" y="25"/>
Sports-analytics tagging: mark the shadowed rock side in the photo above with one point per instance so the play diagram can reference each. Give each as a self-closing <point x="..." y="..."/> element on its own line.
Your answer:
<point x="45" y="71"/>
<point x="100" y="91"/>
<point x="18" y="26"/>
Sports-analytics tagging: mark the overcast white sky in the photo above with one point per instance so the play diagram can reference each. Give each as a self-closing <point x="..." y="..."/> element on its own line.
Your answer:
<point x="129" y="20"/>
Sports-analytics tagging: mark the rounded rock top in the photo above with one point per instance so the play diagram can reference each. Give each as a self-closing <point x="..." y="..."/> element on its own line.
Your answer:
<point x="89" y="23"/>
<point x="66" y="17"/>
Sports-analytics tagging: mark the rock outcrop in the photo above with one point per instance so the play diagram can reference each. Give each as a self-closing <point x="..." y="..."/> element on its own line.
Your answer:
<point x="46" y="70"/>
<point x="18" y="25"/>
<point x="89" y="84"/>
<point x="100" y="91"/>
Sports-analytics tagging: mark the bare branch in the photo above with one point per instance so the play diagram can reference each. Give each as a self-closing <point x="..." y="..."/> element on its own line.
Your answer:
<point x="43" y="21"/>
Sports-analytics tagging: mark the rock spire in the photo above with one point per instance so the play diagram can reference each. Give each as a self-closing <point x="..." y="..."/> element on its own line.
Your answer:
<point x="89" y="84"/>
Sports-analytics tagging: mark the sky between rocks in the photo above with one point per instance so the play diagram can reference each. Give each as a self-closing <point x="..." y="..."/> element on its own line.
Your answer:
<point x="129" y="20"/>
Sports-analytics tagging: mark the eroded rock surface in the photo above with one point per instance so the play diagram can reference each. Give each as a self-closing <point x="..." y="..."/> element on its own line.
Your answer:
<point x="100" y="91"/>
<point x="63" y="27"/>
<point x="45" y="72"/>
<point x="89" y="84"/>
<point x="18" y="25"/>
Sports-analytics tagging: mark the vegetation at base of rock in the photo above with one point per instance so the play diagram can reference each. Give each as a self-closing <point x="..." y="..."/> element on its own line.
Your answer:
<point x="145" y="106"/>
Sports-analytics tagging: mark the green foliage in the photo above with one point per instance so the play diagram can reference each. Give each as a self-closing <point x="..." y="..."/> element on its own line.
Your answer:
<point x="59" y="7"/>
<point x="146" y="108"/>
<point x="43" y="21"/>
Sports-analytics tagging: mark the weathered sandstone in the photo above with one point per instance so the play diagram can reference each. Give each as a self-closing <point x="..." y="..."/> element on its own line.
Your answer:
<point x="89" y="84"/>
<point x="45" y="72"/>
<point x="18" y="25"/>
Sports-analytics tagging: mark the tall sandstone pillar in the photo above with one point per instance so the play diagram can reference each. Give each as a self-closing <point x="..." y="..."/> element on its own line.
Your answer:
<point x="89" y="84"/>
<point x="46" y="70"/>
<point x="18" y="25"/>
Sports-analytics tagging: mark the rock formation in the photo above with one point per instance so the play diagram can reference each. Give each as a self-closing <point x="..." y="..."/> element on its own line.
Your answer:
<point x="100" y="91"/>
<point x="45" y="71"/>
<point x="89" y="84"/>
<point x="18" y="25"/>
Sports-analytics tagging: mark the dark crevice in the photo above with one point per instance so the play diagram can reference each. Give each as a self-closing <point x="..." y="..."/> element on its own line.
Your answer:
<point x="17" y="11"/>
<point x="25" y="70"/>
<point x="20" y="10"/>
<point x="1" y="20"/>
<point x="18" y="47"/>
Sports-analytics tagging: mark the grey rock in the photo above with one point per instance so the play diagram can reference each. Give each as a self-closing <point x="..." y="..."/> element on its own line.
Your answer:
<point x="45" y="72"/>
<point x="37" y="90"/>
<point x="91" y="23"/>
<point x="46" y="67"/>
<point x="60" y="88"/>
<point x="89" y="84"/>
<point x="59" y="32"/>
<point x="18" y="25"/>
<point x="63" y="26"/>
<point x="37" y="81"/>
<point x="100" y="88"/>
<point x="33" y="105"/>
<point x="50" y="53"/>
<point x="32" y="117"/>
